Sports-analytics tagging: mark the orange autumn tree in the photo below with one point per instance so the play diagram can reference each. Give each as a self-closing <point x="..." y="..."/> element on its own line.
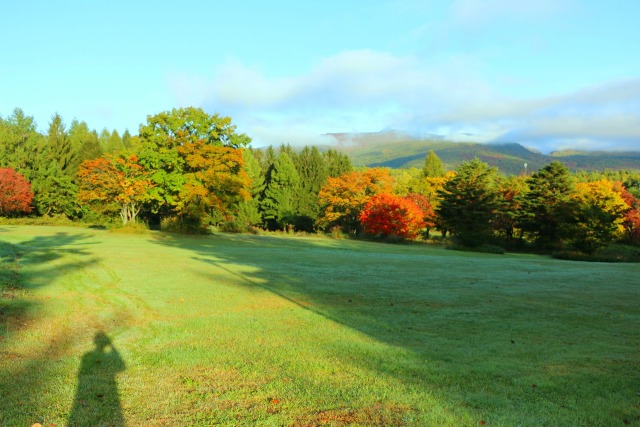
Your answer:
<point x="215" y="179"/>
<point x="114" y="183"/>
<point x="343" y="198"/>
<point x="388" y="215"/>
<point x="429" y="216"/>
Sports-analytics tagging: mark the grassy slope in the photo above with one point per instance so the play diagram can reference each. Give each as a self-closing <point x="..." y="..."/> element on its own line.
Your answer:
<point x="509" y="158"/>
<point x="275" y="331"/>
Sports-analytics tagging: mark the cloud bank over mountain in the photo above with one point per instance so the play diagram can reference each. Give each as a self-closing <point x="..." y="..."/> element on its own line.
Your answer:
<point x="371" y="90"/>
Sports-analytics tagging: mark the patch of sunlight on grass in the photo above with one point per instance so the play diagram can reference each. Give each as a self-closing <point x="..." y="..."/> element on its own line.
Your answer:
<point x="272" y="330"/>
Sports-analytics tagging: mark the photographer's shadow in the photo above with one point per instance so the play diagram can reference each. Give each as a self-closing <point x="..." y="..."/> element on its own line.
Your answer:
<point x="97" y="401"/>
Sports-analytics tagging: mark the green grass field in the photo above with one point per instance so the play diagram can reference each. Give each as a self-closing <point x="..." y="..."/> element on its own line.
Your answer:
<point x="263" y="330"/>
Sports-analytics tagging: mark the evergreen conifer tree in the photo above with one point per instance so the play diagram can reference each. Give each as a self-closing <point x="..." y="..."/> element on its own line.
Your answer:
<point x="114" y="143"/>
<point x="432" y="166"/>
<point x="545" y="206"/>
<point x="312" y="171"/>
<point x="337" y="163"/>
<point x="249" y="211"/>
<point x="126" y="139"/>
<point x="468" y="203"/>
<point x="61" y="152"/>
<point x="280" y="204"/>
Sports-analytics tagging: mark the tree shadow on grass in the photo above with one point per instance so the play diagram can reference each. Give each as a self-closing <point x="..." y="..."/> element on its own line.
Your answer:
<point x="462" y="330"/>
<point x="26" y="266"/>
<point x="40" y="255"/>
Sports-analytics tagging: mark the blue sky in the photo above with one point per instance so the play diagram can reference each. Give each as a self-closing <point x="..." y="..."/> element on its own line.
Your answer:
<point x="550" y="74"/>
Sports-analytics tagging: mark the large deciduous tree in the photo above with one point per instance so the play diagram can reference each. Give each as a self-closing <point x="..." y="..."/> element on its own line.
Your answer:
<point x="115" y="184"/>
<point x="195" y="163"/>
<point x="215" y="180"/>
<point x="468" y="202"/>
<point x="179" y="126"/>
<point x="15" y="193"/>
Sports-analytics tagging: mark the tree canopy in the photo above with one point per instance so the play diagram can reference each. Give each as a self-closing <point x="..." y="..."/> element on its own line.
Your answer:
<point x="468" y="202"/>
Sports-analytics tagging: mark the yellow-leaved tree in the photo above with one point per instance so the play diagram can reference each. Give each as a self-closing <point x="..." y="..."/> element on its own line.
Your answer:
<point x="598" y="211"/>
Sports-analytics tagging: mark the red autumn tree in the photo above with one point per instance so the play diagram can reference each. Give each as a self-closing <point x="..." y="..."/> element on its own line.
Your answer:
<point x="15" y="193"/>
<point x="114" y="183"/>
<point x="428" y="212"/>
<point x="343" y="198"/>
<point x="389" y="215"/>
<point x="631" y="221"/>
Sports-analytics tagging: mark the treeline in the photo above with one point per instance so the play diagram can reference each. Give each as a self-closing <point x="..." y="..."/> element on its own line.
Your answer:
<point x="187" y="170"/>
<point x="50" y="161"/>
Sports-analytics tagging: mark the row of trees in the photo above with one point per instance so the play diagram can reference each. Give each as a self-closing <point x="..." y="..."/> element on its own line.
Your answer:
<point x="549" y="208"/>
<point x="50" y="161"/>
<point x="184" y="165"/>
<point x="194" y="169"/>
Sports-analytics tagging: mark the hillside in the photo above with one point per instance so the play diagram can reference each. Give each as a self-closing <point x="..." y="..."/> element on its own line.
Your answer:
<point x="397" y="150"/>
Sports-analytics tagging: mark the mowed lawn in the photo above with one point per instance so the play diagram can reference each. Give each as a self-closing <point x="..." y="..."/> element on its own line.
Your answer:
<point x="167" y="330"/>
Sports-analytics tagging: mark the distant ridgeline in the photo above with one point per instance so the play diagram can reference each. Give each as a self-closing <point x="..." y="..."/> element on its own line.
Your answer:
<point x="509" y="158"/>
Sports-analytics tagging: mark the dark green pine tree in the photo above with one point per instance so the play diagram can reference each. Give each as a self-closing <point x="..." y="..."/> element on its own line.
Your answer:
<point x="126" y="139"/>
<point x="61" y="153"/>
<point x="268" y="160"/>
<point x="249" y="213"/>
<point x="53" y="185"/>
<point x="84" y="142"/>
<point x="337" y="163"/>
<point x="114" y="143"/>
<point x="104" y="139"/>
<point x="21" y="145"/>
<point x="432" y="166"/>
<point x="545" y="207"/>
<point x="312" y="171"/>
<point x="290" y="152"/>
<point x="280" y="204"/>
<point x="468" y="203"/>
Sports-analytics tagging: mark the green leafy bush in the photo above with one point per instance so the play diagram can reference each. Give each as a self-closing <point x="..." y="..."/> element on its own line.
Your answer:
<point x="132" y="228"/>
<point x="184" y="225"/>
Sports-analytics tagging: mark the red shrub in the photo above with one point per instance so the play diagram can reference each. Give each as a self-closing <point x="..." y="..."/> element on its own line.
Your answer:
<point x="15" y="193"/>
<point x="389" y="215"/>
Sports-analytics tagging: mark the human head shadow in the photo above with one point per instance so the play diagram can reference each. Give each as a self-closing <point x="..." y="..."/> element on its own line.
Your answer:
<point x="97" y="400"/>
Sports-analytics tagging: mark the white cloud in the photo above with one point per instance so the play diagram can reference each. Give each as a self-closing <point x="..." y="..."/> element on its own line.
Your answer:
<point x="371" y="90"/>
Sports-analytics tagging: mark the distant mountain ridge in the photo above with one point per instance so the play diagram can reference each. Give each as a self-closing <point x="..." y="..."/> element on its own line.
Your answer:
<point x="396" y="149"/>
